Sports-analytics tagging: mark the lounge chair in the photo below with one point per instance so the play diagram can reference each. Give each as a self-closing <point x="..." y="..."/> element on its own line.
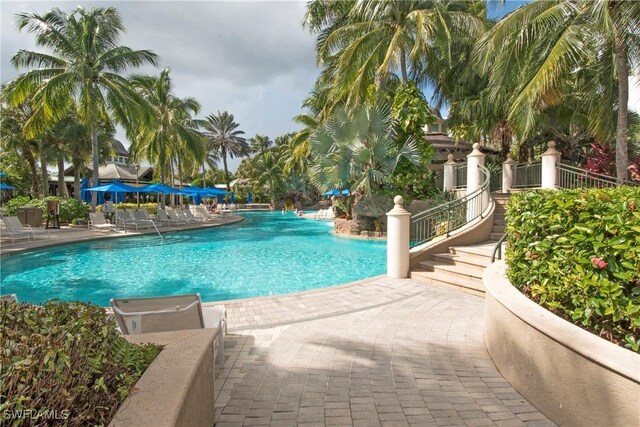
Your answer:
<point x="14" y="229"/>
<point x="201" y="212"/>
<point x="97" y="222"/>
<point x="189" y="216"/>
<point x="173" y="214"/>
<point x="171" y="313"/>
<point x="164" y="218"/>
<point x="124" y="217"/>
<point x="141" y="215"/>
<point x="9" y="298"/>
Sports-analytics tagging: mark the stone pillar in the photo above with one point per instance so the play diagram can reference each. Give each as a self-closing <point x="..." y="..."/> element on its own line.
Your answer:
<point x="475" y="159"/>
<point x="398" y="230"/>
<point x="449" y="174"/>
<point x="508" y="174"/>
<point x="549" y="160"/>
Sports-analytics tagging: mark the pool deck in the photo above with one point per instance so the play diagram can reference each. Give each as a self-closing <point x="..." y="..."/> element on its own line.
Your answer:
<point x="73" y="234"/>
<point x="377" y="352"/>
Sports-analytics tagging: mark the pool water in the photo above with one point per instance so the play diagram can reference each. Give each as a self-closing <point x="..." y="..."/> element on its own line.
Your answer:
<point x="267" y="254"/>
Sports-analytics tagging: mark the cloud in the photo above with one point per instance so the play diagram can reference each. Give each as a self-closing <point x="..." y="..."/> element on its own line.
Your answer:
<point x="250" y="58"/>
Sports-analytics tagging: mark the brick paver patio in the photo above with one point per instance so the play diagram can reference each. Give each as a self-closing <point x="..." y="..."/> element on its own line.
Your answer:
<point x="378" y="352"/>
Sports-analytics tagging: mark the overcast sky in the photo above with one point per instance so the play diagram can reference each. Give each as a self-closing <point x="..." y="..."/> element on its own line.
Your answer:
<point x="250" y="58"/>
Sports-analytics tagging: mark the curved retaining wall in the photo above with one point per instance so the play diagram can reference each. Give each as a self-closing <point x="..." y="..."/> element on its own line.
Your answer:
<point x="574" y="377"/>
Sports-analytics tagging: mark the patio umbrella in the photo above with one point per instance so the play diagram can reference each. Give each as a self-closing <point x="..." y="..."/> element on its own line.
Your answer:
<point x="158" y="188"/>
<point x="249" y="198"/>
<point x="6" y="187"/>
<point x="3" y="174"/>
<point x="115" y="187"/>
<point x="84" y="195"/>
<point x="346" y="192"/>
<point x="331" y="193"/>
<point x="232" y="199"/>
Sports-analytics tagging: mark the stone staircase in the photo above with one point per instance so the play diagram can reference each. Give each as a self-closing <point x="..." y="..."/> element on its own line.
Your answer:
<point x="462" y="266"/>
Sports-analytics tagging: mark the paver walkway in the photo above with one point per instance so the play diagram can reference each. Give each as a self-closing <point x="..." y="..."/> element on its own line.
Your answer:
<point x="382" y="352"/>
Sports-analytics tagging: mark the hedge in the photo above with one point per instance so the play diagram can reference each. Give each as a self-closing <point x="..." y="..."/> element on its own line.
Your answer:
<point x="70" y="209"/>
<point x="577" y="253"/>
<point x="65" y="363"/>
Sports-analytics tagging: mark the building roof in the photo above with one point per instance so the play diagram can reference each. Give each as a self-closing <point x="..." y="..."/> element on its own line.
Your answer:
<point x="119" y="149"/>
<point x="443" y="142"/>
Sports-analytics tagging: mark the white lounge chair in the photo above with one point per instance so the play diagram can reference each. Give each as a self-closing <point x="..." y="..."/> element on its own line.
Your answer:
<point x="164" y="218"/>
<point x="97" y="222"/>
<point x="14" y="229"/>
<point x="171" y="313"/>
<point x="187" y="213"/>
<point x="179" y="214"/>
<point x="141" y="215"/>
<point x="201" y="212"/>
<point x="124" y="217"/>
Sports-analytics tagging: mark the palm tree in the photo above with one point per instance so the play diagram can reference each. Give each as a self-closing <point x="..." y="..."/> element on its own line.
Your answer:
<point x="172" y="133"/>
<point x="358" y="151"/>
<point x="377" y="39"/>
<point x="83" y="69"/>
<point x="268" y="170"/>
<point x="259" y="144"/>
<point x="545" y="43"/>
<point x="225" y="139"/>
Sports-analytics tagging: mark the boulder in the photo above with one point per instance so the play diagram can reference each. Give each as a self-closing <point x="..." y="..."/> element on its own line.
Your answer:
<point x="373" y="207"/>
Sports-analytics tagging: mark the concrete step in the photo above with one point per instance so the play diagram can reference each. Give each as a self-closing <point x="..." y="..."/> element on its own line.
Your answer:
<point x="499" y="217"/>
<point x="458" y="271"/>
<point x="473" y="286"/>
<point x="482" y="250"/>
<point x="498" y="228"/>
<point x="496" y="236"/>
<point x="474" y="263"/>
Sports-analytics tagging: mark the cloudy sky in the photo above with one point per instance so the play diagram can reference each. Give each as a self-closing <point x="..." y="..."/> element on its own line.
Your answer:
<point x="251" y="58"/>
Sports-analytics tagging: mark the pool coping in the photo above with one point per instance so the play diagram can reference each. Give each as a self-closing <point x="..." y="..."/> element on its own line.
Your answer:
<point x="91" y="236"/>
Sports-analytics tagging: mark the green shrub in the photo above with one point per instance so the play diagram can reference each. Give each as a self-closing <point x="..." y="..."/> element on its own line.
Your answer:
<point x="577" y="253"/>
<point x="69" y="208"/>
<point x="66" y="357"/>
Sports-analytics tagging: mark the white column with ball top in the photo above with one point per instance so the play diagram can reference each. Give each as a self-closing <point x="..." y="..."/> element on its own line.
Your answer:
<point x="398" y="231"/>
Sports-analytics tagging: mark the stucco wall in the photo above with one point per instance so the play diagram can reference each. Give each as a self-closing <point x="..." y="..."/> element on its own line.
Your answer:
<point x="574" y="377"/>
<point x="177" y="389"/>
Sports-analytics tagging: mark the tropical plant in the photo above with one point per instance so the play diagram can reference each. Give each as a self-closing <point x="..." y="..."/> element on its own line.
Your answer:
<point x="358" y="151"/>
<point x="84" y="69"/>
<point x="577" y="253"/>
<point x="225" y="139"/>
<point x="259" y="144"/>
<point x="366" y="42"/>
<point x="543" y="44"/>
<point x="172" y="133"/>
<point x="268" y="171"/>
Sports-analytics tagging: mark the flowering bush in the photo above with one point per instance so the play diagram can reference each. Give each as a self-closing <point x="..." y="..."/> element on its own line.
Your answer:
<point x="577" y="253"/>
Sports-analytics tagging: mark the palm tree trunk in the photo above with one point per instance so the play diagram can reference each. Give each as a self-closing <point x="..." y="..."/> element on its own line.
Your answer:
<point x="622" y="70"/>
<point x="62" y="186"/>
<point x="95" y="163"/>
<point x="34" y="172"/>
<point x="226" y="170"/>
<point x="43" y="170"/>
<point x="403" y="67"/>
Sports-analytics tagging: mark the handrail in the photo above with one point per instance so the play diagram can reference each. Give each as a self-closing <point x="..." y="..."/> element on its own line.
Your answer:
<point x="528" y="175"/>
<point x="442" y="220"/>
<point x="497" y="249"/>
<point x="574" y="177"/>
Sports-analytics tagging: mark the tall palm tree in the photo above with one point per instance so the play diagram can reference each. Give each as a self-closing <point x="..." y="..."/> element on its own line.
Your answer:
<point x="84" y="68"/>
<point x="225" y="138"/>
<point x="172" y="133"/>
<point x="379" y="38"/>
<point x="545" y="43"/>
<point x="358" y="151"/>
<point x="259" y="144"/>
<point x="268" y="170"/>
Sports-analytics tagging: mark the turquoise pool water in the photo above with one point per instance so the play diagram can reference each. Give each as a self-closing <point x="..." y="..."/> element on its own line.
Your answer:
<point x="267" y="254"/>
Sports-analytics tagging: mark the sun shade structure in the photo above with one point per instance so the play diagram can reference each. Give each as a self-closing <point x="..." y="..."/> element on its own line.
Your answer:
<point x="113" y="187"/>
<point x="6" y="187"/>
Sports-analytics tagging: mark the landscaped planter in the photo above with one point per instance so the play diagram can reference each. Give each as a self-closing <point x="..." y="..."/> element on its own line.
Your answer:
<point x="572" y="376"/>
<point x="177" y="389"/>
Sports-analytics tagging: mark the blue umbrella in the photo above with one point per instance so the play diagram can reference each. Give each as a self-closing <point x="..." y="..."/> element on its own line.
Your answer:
<point x="3" y="174"/>
<point x="158" y="188"/>
<point x="331" y="193"/>
<point x="113" y="187"/>
<point x="232" y="199"/>
<point x="346" y="192"/>
<point x="84" y="195"/>
<point x="6" y="187"/>
<point x="249" y="198"/>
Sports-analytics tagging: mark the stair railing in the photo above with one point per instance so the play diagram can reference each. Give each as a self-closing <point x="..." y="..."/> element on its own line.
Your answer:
<point x="528" y="175"/>
<point x="442" y="220"/>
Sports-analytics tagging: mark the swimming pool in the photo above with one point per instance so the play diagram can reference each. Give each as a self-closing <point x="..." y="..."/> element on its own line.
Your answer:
<point x="267" y="254"/>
